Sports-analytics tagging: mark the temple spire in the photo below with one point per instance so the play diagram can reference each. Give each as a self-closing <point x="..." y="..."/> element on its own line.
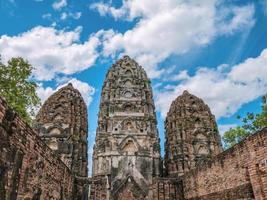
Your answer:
<point x="127" y="143"/>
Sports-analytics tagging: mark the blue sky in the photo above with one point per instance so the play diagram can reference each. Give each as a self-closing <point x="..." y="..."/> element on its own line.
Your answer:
<point x="216" y="49"/>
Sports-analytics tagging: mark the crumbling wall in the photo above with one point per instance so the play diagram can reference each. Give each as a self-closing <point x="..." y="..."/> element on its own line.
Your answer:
<point x="98" y="188"/>
<point x="238" y="173"/>
<point x="166" y="189"/>
<point x="28" y="168"/>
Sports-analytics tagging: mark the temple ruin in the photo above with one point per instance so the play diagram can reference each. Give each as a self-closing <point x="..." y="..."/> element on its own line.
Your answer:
<point x="127" y="146"/>
<point x="191" y="135"/>
<point x="49" y="159"/>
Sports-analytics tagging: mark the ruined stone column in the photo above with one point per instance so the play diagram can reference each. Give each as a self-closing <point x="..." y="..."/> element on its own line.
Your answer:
<point x="191" y="134"/>
<point x="62" y="124"/>
<point x="127" y="143"/>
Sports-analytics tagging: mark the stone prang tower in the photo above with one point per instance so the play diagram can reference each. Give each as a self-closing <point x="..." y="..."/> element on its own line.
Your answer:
<point x="127" y="147"/>
<point x="191" y="134"/>
<point x="62" y="124"/>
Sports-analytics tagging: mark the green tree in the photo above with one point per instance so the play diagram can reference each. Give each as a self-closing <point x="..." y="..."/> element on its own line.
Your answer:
<point x="233" y="136"/>
<point x="250" y="123"/>
<point x="17" y="88"/>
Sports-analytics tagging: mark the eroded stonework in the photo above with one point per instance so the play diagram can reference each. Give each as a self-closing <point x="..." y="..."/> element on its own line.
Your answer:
<point x="191" y="134"/>
<point x="62" y="124"/>
<point x="127" y="147"/>
<point x="52" y="163"/>
<point x="29" y="169"/>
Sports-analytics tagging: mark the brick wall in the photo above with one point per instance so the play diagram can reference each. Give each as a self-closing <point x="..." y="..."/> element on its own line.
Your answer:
<point x="238" y="173"/>
<point x="28" y="168"/>
<point x="166" y="189"/>
<point x="98" y="188"/>
<point x="31" y="170"/>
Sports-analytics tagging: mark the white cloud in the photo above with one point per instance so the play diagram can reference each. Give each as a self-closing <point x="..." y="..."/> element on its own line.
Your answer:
<point x="241" y="17"/>
<point x="63" y="16"/>
<point x="59" y="4"/>
<point x="181" y="76"/>
<point x="91" y="142"/>
<point x="47" y="16"/>
<point x="51" y="51"/>
<point x="44" y="93"/>
<point x="170" y="27"/>
<point x="54" y="24"/>
<point x="85" y="89"/>
<point x="224" y="89"/>
<point x="225" y="127"/>
<point x="66" y="15"/>
<point x="105" y="9"/>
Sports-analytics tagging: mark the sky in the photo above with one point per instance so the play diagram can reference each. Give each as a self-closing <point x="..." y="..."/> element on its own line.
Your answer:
<point x="215" y="49"/>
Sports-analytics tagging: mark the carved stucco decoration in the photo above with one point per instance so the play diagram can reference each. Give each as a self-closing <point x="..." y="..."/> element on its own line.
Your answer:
<point x="191" y="134"/>
<point x="127" y="123"/>
<point x="62" y="124"/>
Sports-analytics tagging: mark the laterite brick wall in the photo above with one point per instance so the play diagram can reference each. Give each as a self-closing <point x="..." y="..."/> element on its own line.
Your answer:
<point x="28" y="168"/>
<point x="238" y="173"/>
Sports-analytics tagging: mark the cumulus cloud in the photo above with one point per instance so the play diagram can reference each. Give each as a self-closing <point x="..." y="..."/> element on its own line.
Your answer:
<point x="51" y="51"/>
<point x="75" y="15"/>
<point x="235" y="18"/>
<point x="171" y="27"/>
<point x="59" y="4"/>
<point x="225" y="89"/>
<point x="47" y="16"/>
<point x="85" y="89"/>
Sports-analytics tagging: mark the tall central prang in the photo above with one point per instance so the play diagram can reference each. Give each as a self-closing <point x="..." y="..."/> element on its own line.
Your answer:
<point x="127" y="149"/>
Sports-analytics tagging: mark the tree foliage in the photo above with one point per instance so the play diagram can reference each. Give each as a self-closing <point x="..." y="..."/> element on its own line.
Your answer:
<point x="250" y="123"/>
<point x="17" y="88"/>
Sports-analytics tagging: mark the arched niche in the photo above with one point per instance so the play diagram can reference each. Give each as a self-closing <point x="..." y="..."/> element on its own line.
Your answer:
<point x="128" y="94"/>
<point x="201" y="144"/>
<point x="201" y="136"/>
<point x="129" y="147"/>
<point x="128" y="125"/>
<point x="128" y="108"/>
<point x="203" y="150"/>
<point x="54" y="131"/>
<point x="128" y="83"/>
<point x="53" y="145"/>
<point x="128" y="72"/>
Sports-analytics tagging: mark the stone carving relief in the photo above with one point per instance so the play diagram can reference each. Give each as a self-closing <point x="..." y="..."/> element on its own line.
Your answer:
<point x="128" y="123"/>
<point x="54" y="131"/>
<point x="128" y="83"/>
<point x="61" y="122"/>
<point x="128" y="73"/>
<point x="188" y="124"/>
<point x="129" y="147"/>
<point x="201" y="145"/>
<point x="128" y="94"/>
<point x="53" y="144"/>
